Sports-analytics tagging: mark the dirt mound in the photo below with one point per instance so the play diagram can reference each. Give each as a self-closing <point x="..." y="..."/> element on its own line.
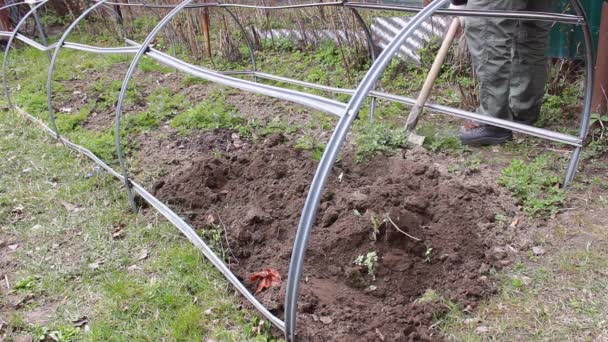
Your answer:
<point x="426" y="229"/>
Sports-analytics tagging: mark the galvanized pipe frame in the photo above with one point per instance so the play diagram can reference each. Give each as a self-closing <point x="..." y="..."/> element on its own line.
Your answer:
<point x="145" y="47"/>
<point x="333" y="147"/>
<point x="309" y="100"/>
<point x="311" y="205"/>
<point x="11" y="38"/>
<point x="541" y="16"/>
<point x="586" y="117"/>
<point x="60" y="43"/>
<point x="165" y="211"/>
<point x="521" y="128"/>
<point x="350" y="113"/>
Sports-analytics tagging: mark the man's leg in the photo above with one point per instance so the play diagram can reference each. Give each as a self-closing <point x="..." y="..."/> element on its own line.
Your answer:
<point x="490" y="43"/>
<point x="529" y="71"/>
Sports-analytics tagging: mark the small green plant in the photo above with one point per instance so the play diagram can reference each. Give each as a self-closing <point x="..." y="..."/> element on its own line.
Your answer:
<point x="374" y="138"/>
<point x="537" y="189"/>
<point x="212" y="113"/>
<point x="441" y="140"/>
<point x="500" y="219"/>
<point x="275" y="125"/>
<point x="63" y="334"/>
<point x="473" y="164"/>
<point x="453" y="168"/>
<point x="259" y="330"/>
<point x="164" y="104"/>
<point x="310" y="143"/>
<point x="139" y="122"/>
<point x="601" y="120"/>
<point x="213" y="234"/>
<point x="369" y="261"/>
<point x="428" y="255"/>
<point x="429" y="296"/>
<point x="376" y="223"/>
<point x="517" y="283"/>
<point x="68" y="122"/>
<point x="26" y="284"/>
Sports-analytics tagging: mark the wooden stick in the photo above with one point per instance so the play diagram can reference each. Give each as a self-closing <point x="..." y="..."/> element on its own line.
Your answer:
<point x="205" y="22"/>
<point x="412" y="119"/>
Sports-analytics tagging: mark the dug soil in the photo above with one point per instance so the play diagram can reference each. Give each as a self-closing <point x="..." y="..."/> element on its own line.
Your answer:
<point x="434" y="234"/>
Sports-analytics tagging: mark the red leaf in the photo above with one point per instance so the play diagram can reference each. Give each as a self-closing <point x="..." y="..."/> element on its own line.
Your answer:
<point x="265" y="279"/>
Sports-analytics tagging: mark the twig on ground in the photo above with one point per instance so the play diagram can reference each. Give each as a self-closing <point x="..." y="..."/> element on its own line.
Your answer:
<point x="8" y="285"/>
<point x="401" y="231"/>
<point x="226" y="238"/>
<point x="435" y="324"/>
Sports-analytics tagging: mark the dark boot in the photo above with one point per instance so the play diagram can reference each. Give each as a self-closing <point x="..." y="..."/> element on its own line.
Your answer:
<point x="527" y="121"/>
<point x="480" y="135"/>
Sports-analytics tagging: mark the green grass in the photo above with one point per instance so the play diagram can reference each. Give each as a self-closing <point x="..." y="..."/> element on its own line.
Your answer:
<point x="211" y="113"/>
<point x="78" y="269"/>
<point x="558" y="299"/>
<point x="375" y="138"/>
<point x="536" y="187"/>
<point x="312" y="144"/>
<point x="445" y="139"/>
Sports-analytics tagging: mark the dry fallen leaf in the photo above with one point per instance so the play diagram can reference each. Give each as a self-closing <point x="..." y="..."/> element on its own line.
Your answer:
<point x="265" y="279"/>
<point x="18" y="210"/>
<point x="133" y="268"/>
<point x="95" y="265"/>
<point x="537" y="250"/>
<point x="210" y="219"/>
<point x="482" y="330"/>
<point x="13" y="247"/>
<point x="80" y="322"/>
<point x="73" y="208"/>
<point x="117" y="232"/>
<point x="325" y="319"/>
<point x="142" y="255"/>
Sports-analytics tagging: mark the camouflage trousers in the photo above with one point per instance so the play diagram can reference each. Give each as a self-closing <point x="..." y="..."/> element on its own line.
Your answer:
<point x="509" y="59"/>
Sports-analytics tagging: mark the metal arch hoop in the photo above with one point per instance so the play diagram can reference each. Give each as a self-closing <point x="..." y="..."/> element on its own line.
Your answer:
<point x="206" y="250"/>
<point x="245" y="36"/>
<point x="18" y="4"/>
<point x="7" y="91"/>
<point x="119" y="18"/>
<point x="41" y="32"/>
<point x="123" y="92"/>
<point x="310" y="209"/>
<point x="64" y="36"/>
<point x="311" y="205"/>
<point x="372" y="52"/>
<point x="586" y="117"/>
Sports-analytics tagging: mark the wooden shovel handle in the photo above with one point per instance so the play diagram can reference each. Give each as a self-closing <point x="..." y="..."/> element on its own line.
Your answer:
<point x="412" y="119"/>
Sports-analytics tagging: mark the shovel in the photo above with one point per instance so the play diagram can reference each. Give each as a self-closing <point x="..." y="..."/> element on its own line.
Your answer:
<point x="412" y="119"/>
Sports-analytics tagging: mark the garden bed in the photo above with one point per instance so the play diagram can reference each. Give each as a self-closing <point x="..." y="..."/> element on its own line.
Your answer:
<point x="435" y="236"/>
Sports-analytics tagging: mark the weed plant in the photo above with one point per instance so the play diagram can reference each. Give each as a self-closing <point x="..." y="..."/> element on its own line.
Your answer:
<point x="538" y="190"/>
